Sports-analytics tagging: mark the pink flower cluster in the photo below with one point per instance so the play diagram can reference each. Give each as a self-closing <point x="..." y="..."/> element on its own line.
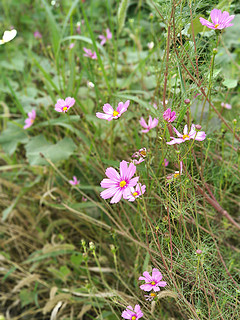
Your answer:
<point x="152" y="282"/>
<point x="140" y="154"/>
<point x="122" y="185"/>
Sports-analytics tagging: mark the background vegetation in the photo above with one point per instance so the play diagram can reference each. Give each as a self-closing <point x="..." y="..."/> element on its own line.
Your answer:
<point x="62" y="257"/>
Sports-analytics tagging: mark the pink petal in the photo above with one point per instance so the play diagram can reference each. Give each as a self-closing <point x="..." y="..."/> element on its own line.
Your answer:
<point x="215" y="16"/>
<point x="137" y="308"/>
<point x="206" y="23"/>
<point x="122" y="107"/>
<point x="177" y="133"/>
<point x="123" y="169"/>
<point x="156" y="274"/>
<point x="143" y="123"/>
<point x="185" y="130"/>
<point x="145" y="131"/>
<point x="104" y="116"/>
<point x="131" y="171"/>
<point x="174" y="141"/>
<point x="200" y="136"/>
<point x="154" y="123"/>
<point x="146" y="287"/>
<point x="162" y="284"/>
<point x="156" y="289"/>
<point x="108" y="183"/>
<point x="117" y="197"/>
<point x="112" y="174"/>
<point x="107" y="108"/>
<point x="108" y="193"/>
<point x="133" y="182"/>
<point x="147" y="276"/>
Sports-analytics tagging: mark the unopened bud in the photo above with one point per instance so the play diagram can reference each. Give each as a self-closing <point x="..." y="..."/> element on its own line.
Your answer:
<point x="151" y="15"/>
<point x="187" y="101"/>
<point x="91" y="245"/>
<point x="112" y="247"/>
<point x="83" y="242"/>
<point x="198" y="127"/>
<point x="215" y="51"/>
<point x="198" y="252"/>
<point x="234" y="121"/>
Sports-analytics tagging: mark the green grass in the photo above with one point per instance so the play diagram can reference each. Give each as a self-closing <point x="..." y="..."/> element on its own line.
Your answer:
<point x="67" y="258"/>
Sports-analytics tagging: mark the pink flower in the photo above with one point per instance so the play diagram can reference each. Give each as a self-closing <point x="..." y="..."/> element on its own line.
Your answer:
<point x="110" y="113"/>
<point x="219" y="20"/>
<point x="196" y="95"/>
<point x="193" y="134"/>
<point x="150" y="297"/>
<point x="165" y="162"/>
<point x="152" y="282"/>
<point x="136" y="192"/>
<point x="37" y="35"/>
<point x="151" y="124"/>
<point x="90" y="54"/>
<point x="78" y="29"/>
<point x="74" y="182"/>
<point x="140" y="160"/>
<point x="64" y="105"/>
<point x="104" y="38"/>
<point x="226" y="106"/>
<point x="84" y="199"/>
<point x="176" y="174"/>
<point x="118" y="184"/>
<point x="72" y="45"/>
<point x="29" y="121"/>
<point x="169" y="116"/>
<point x="131" y="314"/>
<point x="198" y="252"/>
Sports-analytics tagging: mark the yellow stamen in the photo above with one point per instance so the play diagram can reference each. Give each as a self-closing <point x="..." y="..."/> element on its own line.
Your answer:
<point x="115" y="113"/>
<point x="64" y="108"/>
<point x="135" y="194"/>
<point x="134" y="318"/>
<point x="152" y="294"/>
<point x="216" y="25"/>
<point x="143" y="153"/>
<point x="123" y="183"/>
<point x="185" y="136"/>
<point x="153" y="283"/>
<point x="176" y="175"/>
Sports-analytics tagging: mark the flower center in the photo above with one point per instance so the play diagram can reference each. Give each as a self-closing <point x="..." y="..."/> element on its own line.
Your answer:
<point x="185" y="136"/>
<point x="153" y="283"/>
<point x="115" y="113"/>
<point x="143" y="153"/>
<point x="216" y="25"/>
<point x="152" y="294"/>
<point x="135" y="194"/>
<point x="122" y="183"/>
<point x="133" y="318"/>
<point x="65" y="108"/>
<point x="176" y="175"/>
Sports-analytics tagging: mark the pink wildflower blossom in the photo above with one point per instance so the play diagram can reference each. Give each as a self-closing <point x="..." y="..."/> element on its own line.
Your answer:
<point x="151" y="124"/>
<point x="226" y="106"/>
<point x="219" y="20"/>
<point x="165" y="162"/>
<point x="105" y="38"/>
<point x="131" y="314"/>
<point x="37" y="35"/>
<point x="118" y="184"/>
<point x="140" y="153"/>
<point x="140" y="160"/>
<point x="198" y="252"/>
<point x="29" y="121"/>
<point x="74" y="182"/>
<point x="64" y="105"/>
<point x="152" y="282"/>
<point x="72" y="45"/>
<point x="176" y="174"/>
<point x="169" y="116"/>
<point x="193" y="134"/>
<point x="90" y="54"/>
<point x="150" y="297"/>
<point x="84" y="199"/>
<point x="110" y="113"/>
<point x="136" y="192"/>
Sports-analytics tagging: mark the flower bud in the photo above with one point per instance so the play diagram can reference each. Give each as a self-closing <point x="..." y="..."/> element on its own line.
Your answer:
<point x="187" y="101"/>
<point x="198" y="127"/>
<point x="215" y="50"/>
<point x="234" y="121"/>
<point x="198" y="252"/>
<point x="91" y="245"/>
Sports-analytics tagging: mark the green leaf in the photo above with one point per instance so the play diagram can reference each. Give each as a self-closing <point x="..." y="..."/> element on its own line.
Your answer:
<point x="76" y="259"/>
<point x="54" y="152"/>
<point x="230" y="83"/>
<point x="11" y="137"/>
<point x="26" y="297"/>
<point x="197" y="26"/>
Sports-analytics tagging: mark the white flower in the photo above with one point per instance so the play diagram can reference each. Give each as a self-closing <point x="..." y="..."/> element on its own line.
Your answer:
<point x="150" y="45"/>
<point x="8" y="36"/>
